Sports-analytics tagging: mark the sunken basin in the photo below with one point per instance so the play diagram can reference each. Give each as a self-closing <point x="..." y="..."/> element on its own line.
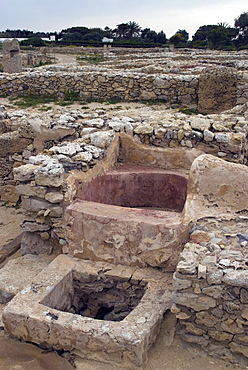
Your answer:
<point x="103" y="311"/>
<point x="130" y="215"/>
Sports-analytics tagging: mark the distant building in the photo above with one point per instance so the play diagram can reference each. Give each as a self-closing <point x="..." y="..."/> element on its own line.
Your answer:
<point x="105" y="39"/>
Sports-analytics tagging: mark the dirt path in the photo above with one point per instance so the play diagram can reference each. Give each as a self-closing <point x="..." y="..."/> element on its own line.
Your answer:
<point x="65" y="58"/>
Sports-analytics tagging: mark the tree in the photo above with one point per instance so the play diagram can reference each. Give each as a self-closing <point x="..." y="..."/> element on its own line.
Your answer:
<point x="184" y="34"/>
<point x="223" y="24"/>
<point x="33" y="41"/>
<point x="128" y="30"/>
<point x="242" y="22"/>
<point x="121" y="30"/>
<point x="202" y="32"/>
<point x="78" y="29"/>
<point x="215" y="36"/>
<point x="177" y="39"/>
<point x="180" y="38"/>
<point x="161" y="37"/>
<point x="108" y="32"/>
<point x="220" y="38"/>
<point x="134" y="29"/>
<point x="242" y="25"/>
<point x="92" y="36"/>
<point x="72" y="36"/>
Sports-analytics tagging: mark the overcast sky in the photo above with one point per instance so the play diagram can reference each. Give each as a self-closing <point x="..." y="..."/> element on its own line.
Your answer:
<point x="166" y="15"/>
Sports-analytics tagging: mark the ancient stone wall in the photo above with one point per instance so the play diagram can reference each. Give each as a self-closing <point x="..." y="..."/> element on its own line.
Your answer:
<point x="210" y="289"/>
<point x="219" y="89"/>
<point x="24" y="134"/>
<point x="103" y="86"/>
<point x="242" y="87"/>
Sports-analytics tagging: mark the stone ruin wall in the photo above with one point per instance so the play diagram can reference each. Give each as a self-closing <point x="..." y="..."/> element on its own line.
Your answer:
<point x="214" y="90"/>
<point x="211" y="297"/>
<point x="210" y="282"/>
<point x="103" y="86"/>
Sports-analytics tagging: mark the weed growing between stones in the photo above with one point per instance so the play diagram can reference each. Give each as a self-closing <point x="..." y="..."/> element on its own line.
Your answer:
<point x="190" y="111"/>
<point x="71" y="95"/>
<point x="152" y="102"/>
<point x="32" y="100"/>
<point x="91" y="58"/>
<point x="113" y="101"/>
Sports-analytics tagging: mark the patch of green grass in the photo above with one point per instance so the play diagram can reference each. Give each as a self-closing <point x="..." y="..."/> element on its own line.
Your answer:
<point x="45" y="109"/>
<point x="32" y="100"/>
<point x="152" y="102"/>
<point x="94" y="100"/>
<point x="91" y="58"/>
<point x="113" y="101"/>
<point x="175" y="106"/>
<point x="64" y="103"/>
<point x="71" y="95"/>
<point x="189" y="111"/>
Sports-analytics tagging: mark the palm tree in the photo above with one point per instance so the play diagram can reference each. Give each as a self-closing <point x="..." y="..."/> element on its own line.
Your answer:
<point x="121" y="31"/>
<point x="134" y="29"/>
<point x="223" y="24"/>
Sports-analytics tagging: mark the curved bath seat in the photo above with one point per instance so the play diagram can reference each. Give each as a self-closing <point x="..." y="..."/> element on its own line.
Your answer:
<point x="106" y="225"/>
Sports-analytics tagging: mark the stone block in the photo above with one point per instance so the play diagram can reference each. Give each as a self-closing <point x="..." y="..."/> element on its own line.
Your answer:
<point x="31" y="191"/>
<point x="220" y="336"/>
<point x="224" y="195"/>
<point x="24" y="173"/>
<point x="32" y="243"/>
<point x="217" y="89"/>
<point x="236" y="278"/>
<point x="103" y="232"/>
<point x="8" y="194"/>
<point x="237" y="348"/>
<point x="194" y="301"/>
<point x="11" y="56"/>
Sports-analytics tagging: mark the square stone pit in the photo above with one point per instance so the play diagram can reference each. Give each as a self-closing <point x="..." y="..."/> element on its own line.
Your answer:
<point x="126" y="306"/>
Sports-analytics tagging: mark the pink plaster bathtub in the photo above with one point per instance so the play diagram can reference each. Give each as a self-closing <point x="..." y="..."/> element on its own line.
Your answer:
<point x="131" y="216"/>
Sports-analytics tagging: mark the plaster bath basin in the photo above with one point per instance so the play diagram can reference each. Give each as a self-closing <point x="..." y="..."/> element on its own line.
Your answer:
<point x="131" y="215"/>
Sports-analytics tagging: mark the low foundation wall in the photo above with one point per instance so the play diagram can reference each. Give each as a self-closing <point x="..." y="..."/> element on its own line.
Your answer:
<point x="192" y="90"/>
<point x="211" y="292"/>
<point x="103" y="86"/>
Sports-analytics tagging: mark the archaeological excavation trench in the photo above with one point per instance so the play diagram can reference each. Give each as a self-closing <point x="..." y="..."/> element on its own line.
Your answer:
<point x="138" y="226"/>
<point x="125" y="261"/>
<point x="124" y="265"/>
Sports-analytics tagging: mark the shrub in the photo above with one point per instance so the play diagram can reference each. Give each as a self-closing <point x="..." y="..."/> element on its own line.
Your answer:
<point x="33" y="41"/>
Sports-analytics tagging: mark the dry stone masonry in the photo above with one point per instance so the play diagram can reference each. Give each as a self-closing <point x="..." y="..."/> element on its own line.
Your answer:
<point x="210" y="283"/>
<point x="189" y="77"/>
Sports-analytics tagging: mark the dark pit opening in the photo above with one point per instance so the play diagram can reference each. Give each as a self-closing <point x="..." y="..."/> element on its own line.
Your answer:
<point x="138" y="188"/>
<point x="98" y="297"/>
